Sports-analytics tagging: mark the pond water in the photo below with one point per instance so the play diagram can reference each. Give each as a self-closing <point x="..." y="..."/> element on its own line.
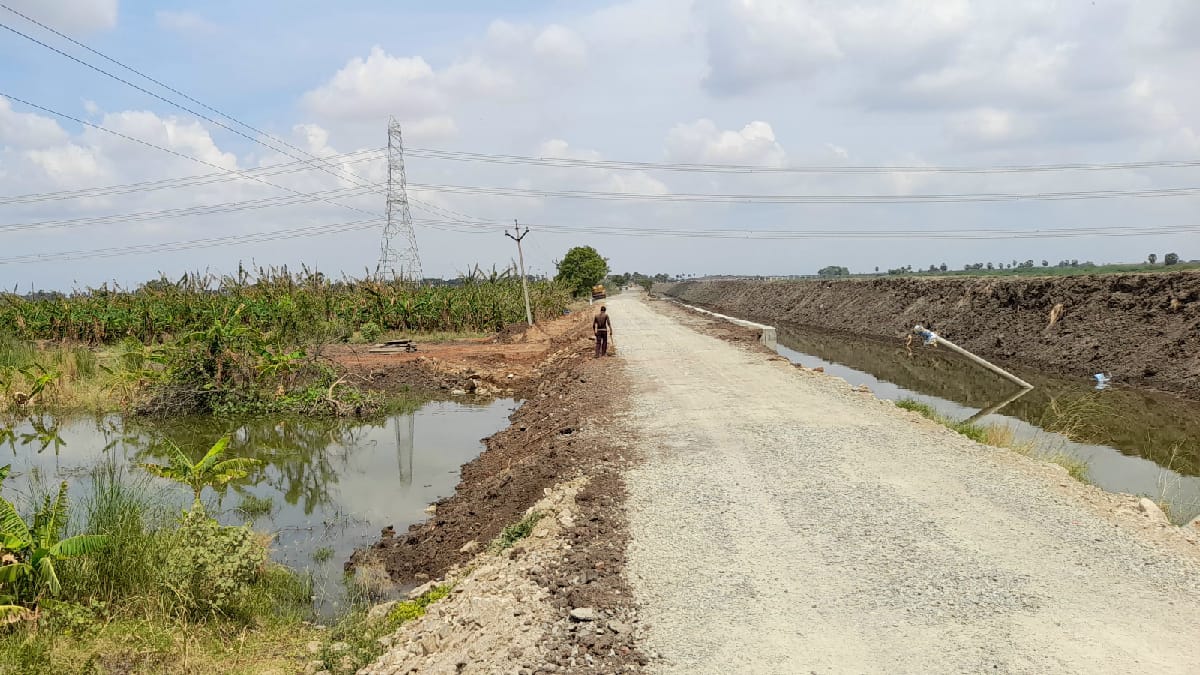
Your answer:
<point x="325" y="487"/>
<point x="1138" y="442"/>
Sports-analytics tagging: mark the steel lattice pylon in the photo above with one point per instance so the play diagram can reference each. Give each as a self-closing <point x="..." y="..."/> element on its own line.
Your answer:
<point x="406" y="262"/>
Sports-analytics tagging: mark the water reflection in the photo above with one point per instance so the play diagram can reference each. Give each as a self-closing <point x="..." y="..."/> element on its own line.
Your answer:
<point x="330" y="483"/>
<point x="39" y="431"/>
<point x="1135" y="441"/>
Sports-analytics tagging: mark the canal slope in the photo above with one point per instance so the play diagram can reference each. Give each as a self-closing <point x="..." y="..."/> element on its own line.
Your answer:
<point x="1142" y="329"/>
<point x="780" y="522"/>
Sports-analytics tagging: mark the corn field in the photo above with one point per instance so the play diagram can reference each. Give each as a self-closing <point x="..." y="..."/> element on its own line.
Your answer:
<point x="275" y="301"/>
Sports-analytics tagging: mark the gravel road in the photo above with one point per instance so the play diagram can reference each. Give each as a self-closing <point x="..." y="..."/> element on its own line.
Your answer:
<point x="781" y="523"/>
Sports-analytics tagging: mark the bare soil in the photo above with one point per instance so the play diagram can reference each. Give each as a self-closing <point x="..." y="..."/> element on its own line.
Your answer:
<point x="1142" y="329"/>
<point x="506" y="363"/>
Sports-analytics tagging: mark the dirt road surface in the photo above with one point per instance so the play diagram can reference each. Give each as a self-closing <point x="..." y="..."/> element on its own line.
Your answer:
<point x="781" y="523"/>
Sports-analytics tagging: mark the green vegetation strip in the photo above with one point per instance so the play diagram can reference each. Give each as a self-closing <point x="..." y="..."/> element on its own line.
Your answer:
<point x="1000" y="437"/>
<point x="233" y="345"/>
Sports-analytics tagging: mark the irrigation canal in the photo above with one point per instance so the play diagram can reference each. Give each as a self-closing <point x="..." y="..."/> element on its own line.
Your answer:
<point x="1138" y="442"/>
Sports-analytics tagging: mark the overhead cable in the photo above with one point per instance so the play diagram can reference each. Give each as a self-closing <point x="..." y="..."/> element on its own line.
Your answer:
<point x="569" y="162"/>
<point x="806" y="199"/>
<point x="188" y="181"/>
<point x="241" y="173"/>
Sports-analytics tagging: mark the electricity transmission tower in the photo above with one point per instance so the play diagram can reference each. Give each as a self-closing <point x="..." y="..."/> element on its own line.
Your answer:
<point x="398" y="251"/>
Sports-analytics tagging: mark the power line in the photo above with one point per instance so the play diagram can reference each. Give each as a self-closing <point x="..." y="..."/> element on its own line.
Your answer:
<point x="198" y="210"/>
<point x="187" y="181"/>
<point x="566" y="162"/>
<point x="775" y="234"/>
<point x="208" y="242"/>
<point x="164" y="86"/>
<point x="238" y="172"/>
<point x="807" y="199"/>
<point x="489" y="229"/>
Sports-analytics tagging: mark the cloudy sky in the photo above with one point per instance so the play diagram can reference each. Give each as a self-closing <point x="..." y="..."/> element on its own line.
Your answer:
<point x="783" y="84"/>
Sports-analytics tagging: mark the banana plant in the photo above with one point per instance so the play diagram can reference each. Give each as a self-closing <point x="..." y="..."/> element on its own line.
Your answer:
<point x="210" y="471"/>
<point x="29" y="553"/>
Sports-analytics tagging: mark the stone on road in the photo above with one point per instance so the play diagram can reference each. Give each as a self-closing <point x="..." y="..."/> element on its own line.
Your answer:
<point x="781" y="523"/>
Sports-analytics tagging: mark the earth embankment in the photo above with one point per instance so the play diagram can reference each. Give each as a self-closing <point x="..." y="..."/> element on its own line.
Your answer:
<point x="1142" y="329"/>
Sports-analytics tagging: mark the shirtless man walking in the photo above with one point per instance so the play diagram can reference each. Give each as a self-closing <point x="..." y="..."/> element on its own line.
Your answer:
<point x="601" y="328"/>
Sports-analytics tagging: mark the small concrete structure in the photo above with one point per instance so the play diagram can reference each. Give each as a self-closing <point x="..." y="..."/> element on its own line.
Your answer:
<point x="766" y="333"/>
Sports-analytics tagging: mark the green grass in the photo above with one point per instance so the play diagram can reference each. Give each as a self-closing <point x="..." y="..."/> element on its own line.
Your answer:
<point x="516" y="532"/>
<point x="253" y="506"/>
<point x="360" y="636"/>
<point x="1002" y="437"/>
<point x="1076" y="467"/>
<point x="120" y="610"/>
<point x="323" y="554"/>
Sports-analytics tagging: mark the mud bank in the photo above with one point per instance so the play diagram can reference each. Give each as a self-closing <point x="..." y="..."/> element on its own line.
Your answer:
<point x="562" y="433"/>
<point x="1142" y="329"/>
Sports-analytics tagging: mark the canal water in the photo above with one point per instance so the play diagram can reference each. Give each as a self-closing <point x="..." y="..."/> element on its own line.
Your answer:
<point x="325" y="487"/>
<point x="1133" y="441"/>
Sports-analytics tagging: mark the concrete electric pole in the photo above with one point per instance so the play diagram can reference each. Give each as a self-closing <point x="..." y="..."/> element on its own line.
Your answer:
<point x="521" y="257"/>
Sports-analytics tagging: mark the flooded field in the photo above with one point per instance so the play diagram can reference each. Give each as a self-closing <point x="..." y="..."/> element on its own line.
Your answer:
<point x="1133" y="441"/>
<point x="325" y="486"/>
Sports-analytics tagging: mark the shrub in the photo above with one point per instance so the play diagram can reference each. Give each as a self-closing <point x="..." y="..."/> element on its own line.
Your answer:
<point x="211" y="568"/>
<point x="370" y="331"/>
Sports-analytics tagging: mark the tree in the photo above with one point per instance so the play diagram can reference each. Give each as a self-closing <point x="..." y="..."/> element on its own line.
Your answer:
<point x="1153" y="258"/>
<point x="990" y="266"/>
<point x="943" y="267"/>
<point x="1171" y="259"/>
<point x="833" y="271"/>
<point x="209" y="471"/>
<point x="581" y="268"/>
<point x="1045" y="263"/>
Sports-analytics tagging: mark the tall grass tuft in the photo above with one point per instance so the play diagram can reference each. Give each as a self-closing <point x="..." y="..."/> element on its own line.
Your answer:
<point x="15" y="353"/>
<point x="133" y="513"/>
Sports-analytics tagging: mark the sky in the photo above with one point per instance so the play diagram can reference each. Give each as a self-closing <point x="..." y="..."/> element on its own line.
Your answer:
<point x="800" y="84"/>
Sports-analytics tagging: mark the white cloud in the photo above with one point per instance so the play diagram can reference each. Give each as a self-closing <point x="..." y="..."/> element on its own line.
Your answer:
<point x="703" y="142"/>
<point x="513" y="62"/>
<point x="71" y="16"/>
<point x="377" y="86"/>
<point x="560" y="46"/>
<point x="559" y="149"/>
<point x="27" y="129"/>
<point x="478" y="78"/>
<point x="186" y="136"/>
<point x="989" y="125"/>
<point x="185" y="22"/>
<point x="68" y="164"/>
<point x="752" y="43"/>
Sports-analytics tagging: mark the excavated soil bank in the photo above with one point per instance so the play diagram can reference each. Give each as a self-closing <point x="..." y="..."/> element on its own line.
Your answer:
<point x="1142" y="329"/>
<point x="560" y="433"/>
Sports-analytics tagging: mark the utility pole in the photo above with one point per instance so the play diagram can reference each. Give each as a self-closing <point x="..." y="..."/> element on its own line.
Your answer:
<point x="521" y="256"/>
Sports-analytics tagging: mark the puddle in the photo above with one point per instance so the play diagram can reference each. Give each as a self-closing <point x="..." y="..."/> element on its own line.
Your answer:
<point x="332" y="485"/>
<point x="1137" y="442"/>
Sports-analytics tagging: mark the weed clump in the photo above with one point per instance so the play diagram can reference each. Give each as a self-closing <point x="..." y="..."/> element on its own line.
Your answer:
<point x="516" y="532"/>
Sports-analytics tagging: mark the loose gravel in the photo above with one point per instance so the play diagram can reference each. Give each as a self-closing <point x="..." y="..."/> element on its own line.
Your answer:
<point x="782" y="523"/>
